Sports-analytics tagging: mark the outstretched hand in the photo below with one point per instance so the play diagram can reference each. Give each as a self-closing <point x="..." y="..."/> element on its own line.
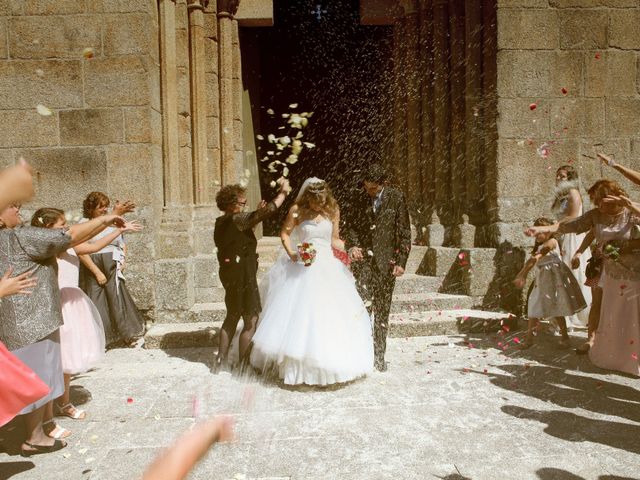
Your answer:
<point x="179" y="459"/>
<point x="605" y="159"/>
<point x="531" y="231"/>
<point x="133" y="226"/>
<point x="16" y="183"/>
<point x="114" y="220"/>
<point x="120" y="208"/>
<point x="617" y="200"/>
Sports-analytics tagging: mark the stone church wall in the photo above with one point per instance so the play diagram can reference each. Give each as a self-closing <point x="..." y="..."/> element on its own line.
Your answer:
<point x="577" y="62"/>
<point x="104" y="130"/>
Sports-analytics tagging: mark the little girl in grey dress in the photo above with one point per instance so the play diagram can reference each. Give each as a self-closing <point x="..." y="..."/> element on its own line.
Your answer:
<point x="555" y="293"/>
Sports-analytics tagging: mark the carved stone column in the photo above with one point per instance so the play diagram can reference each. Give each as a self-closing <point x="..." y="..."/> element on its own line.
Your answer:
<point x="457" y="101"/>
<point x="427" y="153"/>
<point x="168" y="69"/>
<point x="399" y="155"/>
<point x="474" y="140"/>
<point x="442" y="112"/>
<point x="412" y="108"/>
<point x="202" y="171"/>
<point x="226" y="10"/>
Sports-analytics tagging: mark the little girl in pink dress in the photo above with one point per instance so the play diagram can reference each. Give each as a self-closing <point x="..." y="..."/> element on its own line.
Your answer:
<point x="82" y="338"/>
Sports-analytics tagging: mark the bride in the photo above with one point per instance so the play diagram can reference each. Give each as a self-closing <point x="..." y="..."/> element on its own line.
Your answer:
<point x="314" y="327"/>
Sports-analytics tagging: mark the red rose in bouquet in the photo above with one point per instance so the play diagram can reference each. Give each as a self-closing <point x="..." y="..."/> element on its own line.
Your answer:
<point x="307" y="253"/>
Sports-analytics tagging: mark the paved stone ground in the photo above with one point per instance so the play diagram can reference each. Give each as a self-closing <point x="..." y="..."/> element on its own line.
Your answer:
<point x="449" y="407"/>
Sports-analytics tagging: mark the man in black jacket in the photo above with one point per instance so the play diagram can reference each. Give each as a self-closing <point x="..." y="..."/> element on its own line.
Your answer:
<point x="378" y="239"/>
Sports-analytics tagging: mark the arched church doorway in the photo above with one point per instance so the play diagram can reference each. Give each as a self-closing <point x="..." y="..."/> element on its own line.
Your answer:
<point x="319" y="56"/>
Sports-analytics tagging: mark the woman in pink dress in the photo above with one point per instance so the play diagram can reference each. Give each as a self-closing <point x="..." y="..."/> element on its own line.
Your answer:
<point x="616" y="226"/>
<point x="82" y="337"/>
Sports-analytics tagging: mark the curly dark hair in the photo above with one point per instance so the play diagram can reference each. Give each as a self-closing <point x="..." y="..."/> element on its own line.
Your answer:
<point x="93" y="201"/>
<point x="228" y="196"/>
<point x="46" y="217"/>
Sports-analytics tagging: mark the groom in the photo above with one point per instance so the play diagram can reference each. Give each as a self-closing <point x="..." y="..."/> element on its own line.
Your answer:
<point x="378" y="239"/>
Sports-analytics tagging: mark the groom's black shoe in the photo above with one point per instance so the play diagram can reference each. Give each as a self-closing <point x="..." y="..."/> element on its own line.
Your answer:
<point x="381" y="365"/>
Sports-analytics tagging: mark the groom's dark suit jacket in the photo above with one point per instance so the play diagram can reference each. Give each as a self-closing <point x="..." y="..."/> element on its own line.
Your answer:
<point x="386" y="233"/>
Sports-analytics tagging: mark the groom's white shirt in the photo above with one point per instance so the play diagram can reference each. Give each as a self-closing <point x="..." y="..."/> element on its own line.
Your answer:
<point x="377" y="201"/>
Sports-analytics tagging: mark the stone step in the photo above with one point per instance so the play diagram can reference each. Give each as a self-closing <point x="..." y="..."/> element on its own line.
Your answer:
<point x="413" y="283"/>
<point x="182" y="335"/>
<point x="416" y="256"/>
<point x="441" y="322"/>
<point x="408" y="283"/>
<point x="402" y="302"/>
<point x="446" y="322"/>
<point x="427" y="301"/>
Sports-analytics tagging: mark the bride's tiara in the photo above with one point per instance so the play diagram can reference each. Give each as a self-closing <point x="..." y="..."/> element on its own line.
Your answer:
<point x="317" y="188"/>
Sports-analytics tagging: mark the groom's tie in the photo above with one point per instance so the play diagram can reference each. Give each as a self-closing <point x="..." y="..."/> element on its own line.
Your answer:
<point x="376" y="202"/>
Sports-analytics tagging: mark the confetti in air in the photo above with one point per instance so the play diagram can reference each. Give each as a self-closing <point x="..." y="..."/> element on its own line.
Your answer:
<point x="44" y="111"/>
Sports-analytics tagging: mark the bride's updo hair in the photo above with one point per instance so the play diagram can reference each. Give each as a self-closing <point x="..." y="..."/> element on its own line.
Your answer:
<point x="320" y="194"/>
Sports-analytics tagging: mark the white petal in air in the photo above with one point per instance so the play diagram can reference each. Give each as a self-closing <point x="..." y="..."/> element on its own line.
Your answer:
<point x="309" y="144"/>
<point x="291" y="159"/>
<point x="259" y="137"/>
<point x="44" y="111"/>
<point x="270" y="111"/>
<point x="271" y="138"/>
<point x="285" y="172"/>
<point x="293" y="105"/>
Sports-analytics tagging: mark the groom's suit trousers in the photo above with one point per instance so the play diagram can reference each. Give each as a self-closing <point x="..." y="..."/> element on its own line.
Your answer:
<point x="377" y="287"/>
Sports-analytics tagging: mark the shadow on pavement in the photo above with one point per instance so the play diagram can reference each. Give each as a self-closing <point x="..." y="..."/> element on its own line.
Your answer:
<point x="567" y="390"/>
<point x="574" y="428"/>
<point x="559" y="474"/>
<point x="9" y="469"/>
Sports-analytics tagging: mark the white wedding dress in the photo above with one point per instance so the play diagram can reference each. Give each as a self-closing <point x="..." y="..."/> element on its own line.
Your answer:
<point x="314" y="328"/>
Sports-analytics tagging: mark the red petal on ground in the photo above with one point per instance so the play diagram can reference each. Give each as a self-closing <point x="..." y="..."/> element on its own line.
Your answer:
<point x="533" y="106"/>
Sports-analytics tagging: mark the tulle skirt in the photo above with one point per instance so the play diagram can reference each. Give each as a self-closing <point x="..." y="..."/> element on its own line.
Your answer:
<point x="82" y="335"/>
<point x="556" y="292"/>
<point x="20" y="386"/>
<point x="570" y="243"/>
<point x="617" y="340"/>
<point x="314" y="328"/>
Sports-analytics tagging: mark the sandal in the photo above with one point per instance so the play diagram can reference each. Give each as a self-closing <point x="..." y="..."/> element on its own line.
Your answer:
<point x="38" y="449"/>
<point x="61" y="432"/>
<point x="70" y="410"/>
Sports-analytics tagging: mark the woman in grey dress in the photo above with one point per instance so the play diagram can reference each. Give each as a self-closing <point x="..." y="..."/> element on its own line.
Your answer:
<point x="102" y="279"/>
<point x="30" y="323"/>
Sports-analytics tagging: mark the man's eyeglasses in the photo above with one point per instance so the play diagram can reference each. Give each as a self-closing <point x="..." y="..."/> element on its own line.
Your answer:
<point x="241" y="203"/>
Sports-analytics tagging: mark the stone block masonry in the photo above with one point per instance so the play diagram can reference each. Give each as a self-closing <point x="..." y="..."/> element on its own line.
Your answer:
<point x="93" y="64"/>
<point x="568" y="77"/>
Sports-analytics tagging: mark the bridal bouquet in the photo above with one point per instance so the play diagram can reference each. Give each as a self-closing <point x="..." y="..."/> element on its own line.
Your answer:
<point x="307" y="253"/>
